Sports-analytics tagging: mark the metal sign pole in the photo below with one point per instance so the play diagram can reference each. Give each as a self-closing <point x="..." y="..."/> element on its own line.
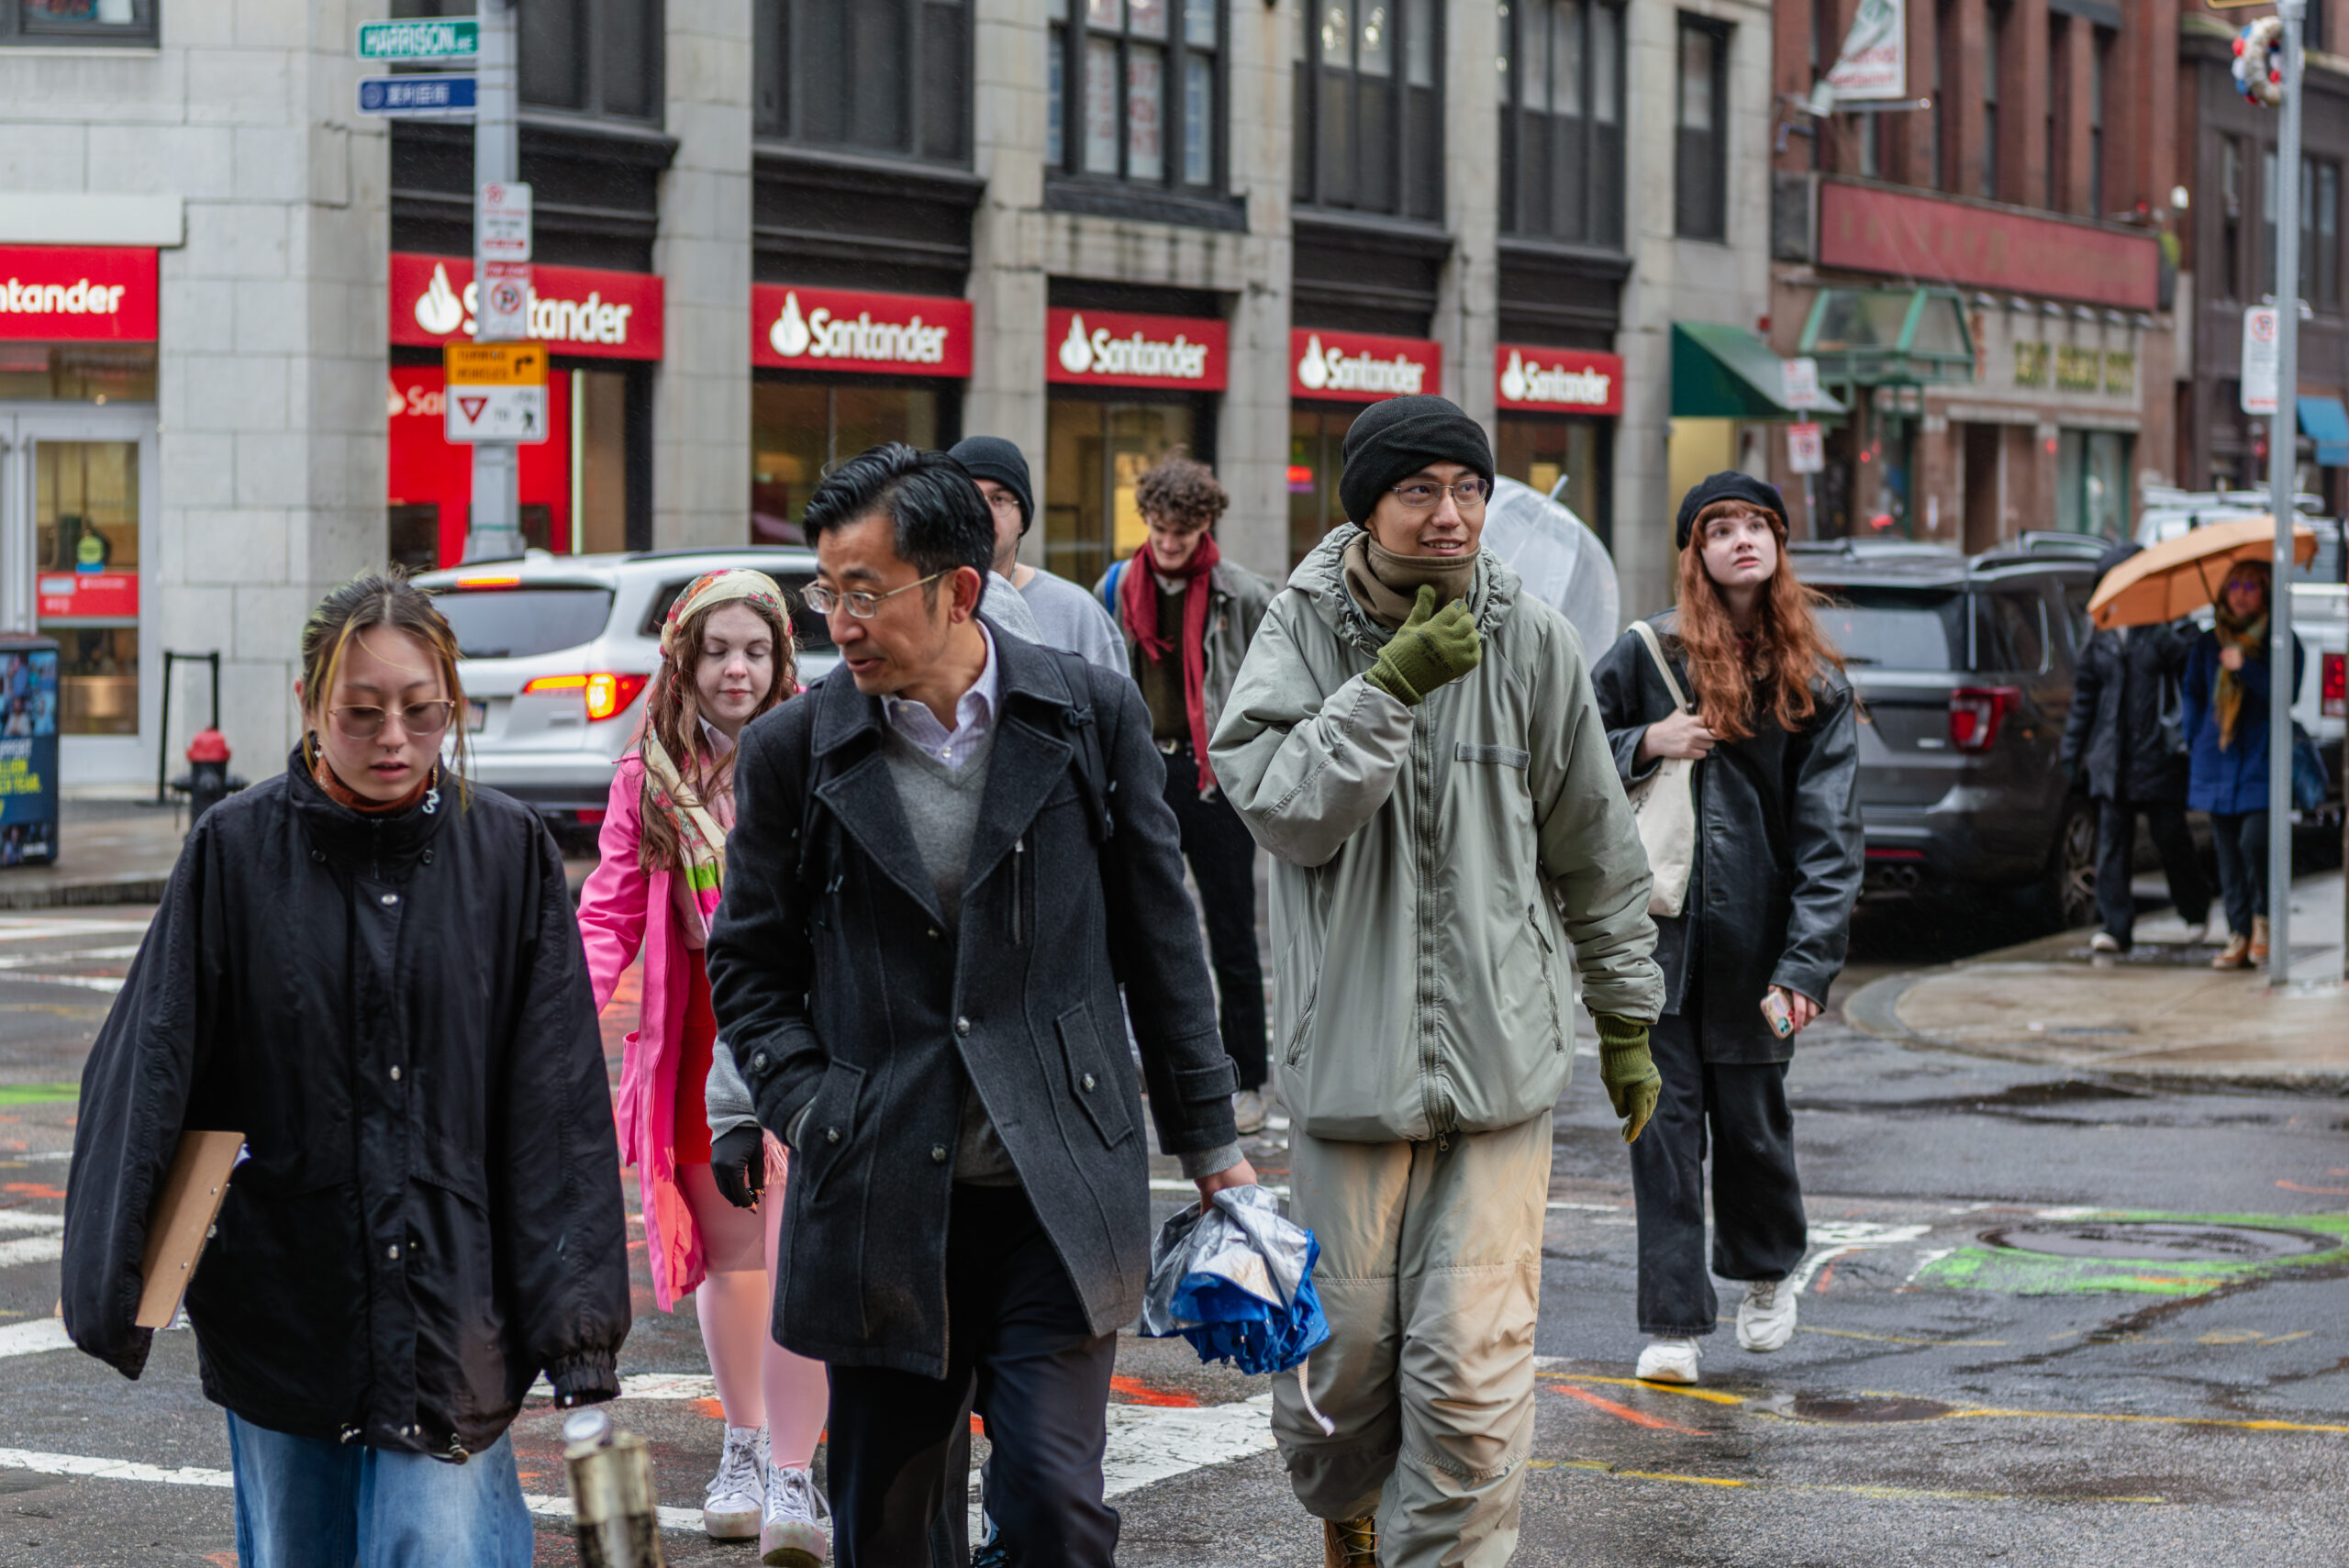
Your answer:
<point x="495" y="531"/>
<point x="2283" y="466"/>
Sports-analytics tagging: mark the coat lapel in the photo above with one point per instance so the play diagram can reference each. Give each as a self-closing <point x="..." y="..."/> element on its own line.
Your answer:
<point x="861" y="796"/>
<point x="1026" y="766"/>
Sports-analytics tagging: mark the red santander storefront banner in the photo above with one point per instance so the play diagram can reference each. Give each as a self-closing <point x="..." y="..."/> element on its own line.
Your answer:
<point x="1119" y="347"/>
<point x="573" y="310"/>
<point x="1361" y="367"/>
<point x="1558" y="380"/>
<point x="796" y="326"/>
<point x="104" y="293"/>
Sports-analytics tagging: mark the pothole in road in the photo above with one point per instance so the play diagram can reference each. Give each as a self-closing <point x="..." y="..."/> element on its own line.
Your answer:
<point x="1865" y="1412"/>
<point x="2155" y="1241"/>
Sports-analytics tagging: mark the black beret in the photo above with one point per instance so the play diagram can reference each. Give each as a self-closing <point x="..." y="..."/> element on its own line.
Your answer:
<point x="1390" y="441"/>
<point x="992" y="457"/>
<point x="1730" y="486"/>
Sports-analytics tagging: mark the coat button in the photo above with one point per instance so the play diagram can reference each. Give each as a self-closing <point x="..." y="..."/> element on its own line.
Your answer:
<point x="938" y="1154"/>
<point x="389" y="899"/>
<point x="1087" y="1082"/>
<point x="395" y="1074"/>
<point x="392" y="1251"/>
<point x="933" y="933"/>
<point x="961" y="1026"/>
<point x="758" y="1062"/>
<point x="832" y="1134"/>
<point x="320" y="856"/>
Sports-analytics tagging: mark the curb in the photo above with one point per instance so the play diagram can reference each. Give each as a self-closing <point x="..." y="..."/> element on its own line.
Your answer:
<point x="1873" y="1010"/>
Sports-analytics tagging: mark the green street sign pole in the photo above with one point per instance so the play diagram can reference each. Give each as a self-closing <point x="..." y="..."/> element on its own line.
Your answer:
<point x="421" y="40"/>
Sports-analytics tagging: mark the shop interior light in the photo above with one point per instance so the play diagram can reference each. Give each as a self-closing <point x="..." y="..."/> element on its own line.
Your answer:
<point x="608" y="693"/>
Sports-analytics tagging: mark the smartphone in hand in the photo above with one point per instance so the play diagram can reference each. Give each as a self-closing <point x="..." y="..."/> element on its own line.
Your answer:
<point x="1774" y="1009"/>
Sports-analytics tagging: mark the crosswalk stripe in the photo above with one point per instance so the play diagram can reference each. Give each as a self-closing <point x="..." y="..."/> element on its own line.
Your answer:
<point x="33" y="1336"/>
<point x="31" y="1249"/>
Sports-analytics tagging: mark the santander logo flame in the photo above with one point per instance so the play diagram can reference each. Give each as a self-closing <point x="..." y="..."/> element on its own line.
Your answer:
<point x="438" y="309"/>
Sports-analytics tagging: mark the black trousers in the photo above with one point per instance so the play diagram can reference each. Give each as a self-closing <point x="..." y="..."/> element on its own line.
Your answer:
<point x="1017" y="1348"/>
<point x="2240" y="838"/>
<point x="1759" y="1231"/>
<point x="1223" y="862"/>
<point x="2116" y="845"/>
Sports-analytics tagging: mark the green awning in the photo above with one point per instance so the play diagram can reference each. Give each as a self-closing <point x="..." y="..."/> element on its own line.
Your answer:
<point x="1889" y="337"/>
<point x="1727" y="372"/>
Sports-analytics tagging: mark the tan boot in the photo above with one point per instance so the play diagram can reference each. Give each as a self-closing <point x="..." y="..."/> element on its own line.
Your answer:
<point x="2258" y="940"/>
<point x="2236" y="954"/>
<point x="1350" y="1543"/>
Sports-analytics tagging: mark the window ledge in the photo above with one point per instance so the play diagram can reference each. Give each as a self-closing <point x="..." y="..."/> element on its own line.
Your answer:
<point x="857" y="171"/>
<point x="1411" y="234"/>
<point x="77" y="48"/>
<point x="1594" y="260"/>
<point x="1107" y="198"/>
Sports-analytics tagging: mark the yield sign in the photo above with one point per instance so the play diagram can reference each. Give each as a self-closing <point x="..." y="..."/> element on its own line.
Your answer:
<point x="473" y="406"/>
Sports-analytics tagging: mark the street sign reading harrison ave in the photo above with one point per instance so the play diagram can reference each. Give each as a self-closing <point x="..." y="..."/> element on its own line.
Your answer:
<point x="421" y="40"/>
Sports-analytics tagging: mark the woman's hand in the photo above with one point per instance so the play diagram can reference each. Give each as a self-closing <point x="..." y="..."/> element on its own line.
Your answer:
<point x="1682" y="735"/>
<point x="2230" y="656"/>
<point x="1801" y="1011"/>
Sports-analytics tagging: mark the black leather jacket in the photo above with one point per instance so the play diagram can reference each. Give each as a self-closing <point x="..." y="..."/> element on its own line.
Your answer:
<point x="1778" y="852"/>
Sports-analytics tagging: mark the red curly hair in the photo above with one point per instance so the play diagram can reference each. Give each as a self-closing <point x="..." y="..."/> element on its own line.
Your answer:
<point x="1732" y="683"/>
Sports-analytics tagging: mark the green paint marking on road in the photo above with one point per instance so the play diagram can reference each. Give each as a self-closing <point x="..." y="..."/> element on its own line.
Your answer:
<point x="2010" y="1272"/>
<point x="38" y="1094"/>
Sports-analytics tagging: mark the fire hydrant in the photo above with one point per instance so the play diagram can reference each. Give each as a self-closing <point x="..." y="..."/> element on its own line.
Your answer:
<point x="207" y="782"/>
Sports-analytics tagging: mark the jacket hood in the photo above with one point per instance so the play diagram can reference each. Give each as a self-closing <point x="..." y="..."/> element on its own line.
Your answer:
<point x="1321" y="578"/>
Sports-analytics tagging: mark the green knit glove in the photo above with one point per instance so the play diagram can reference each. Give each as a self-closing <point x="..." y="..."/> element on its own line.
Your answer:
<point x="1627" y="1071"/>
<point x="1432" y="647"/>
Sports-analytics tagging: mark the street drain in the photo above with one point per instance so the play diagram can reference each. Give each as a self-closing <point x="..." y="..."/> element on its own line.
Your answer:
<point x="2157" y="1240"/>
<point x="1810" y="1408"/>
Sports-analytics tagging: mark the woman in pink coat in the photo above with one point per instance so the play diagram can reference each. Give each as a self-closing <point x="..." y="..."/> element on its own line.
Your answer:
<point x="711" y="1209"/>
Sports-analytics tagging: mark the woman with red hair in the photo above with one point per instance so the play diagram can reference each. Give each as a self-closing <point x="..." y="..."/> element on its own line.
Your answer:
<point x="1739" y="679"/>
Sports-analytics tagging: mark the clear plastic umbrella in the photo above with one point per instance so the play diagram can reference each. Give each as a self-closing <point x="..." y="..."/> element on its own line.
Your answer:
<point x="1559" y="559"/>
<point x="1236" y="1279"/>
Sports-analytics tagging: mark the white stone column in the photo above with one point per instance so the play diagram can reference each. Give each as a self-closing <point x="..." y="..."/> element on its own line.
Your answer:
<point x="1467" y="312"/>
<point x="701" y="399"/>
<point x="1009" y="98"/>
<point x="1251" y="431"/>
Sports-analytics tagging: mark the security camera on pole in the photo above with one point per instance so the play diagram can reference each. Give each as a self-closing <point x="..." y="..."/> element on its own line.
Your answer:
<point x="501" y="275"/>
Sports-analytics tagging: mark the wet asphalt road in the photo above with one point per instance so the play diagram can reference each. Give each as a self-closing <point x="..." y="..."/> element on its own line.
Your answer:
<point x="1965" y="1387"/>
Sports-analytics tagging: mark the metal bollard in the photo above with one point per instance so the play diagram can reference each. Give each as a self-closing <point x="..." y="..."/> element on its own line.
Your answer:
<point x="616" y="1516"/>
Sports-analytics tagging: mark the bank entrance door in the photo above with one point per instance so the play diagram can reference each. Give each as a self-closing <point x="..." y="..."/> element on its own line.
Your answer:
<point x="78" y="504"/>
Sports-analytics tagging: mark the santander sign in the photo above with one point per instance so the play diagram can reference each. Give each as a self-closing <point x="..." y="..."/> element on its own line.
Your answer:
<point x="817" y="328"/>
<point x="1360" y="367"/>
<point x="1115" y="347"/>
<point x="573" y="310"/>
<point x="1565" y="380"/>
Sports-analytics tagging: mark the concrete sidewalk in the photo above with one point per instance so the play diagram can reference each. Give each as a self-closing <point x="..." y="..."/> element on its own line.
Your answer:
<point x="2159" y="1012"/>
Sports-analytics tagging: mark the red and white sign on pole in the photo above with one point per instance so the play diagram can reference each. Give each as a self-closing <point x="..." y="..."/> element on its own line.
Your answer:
<point x="502" y="237"/>
<point x="1806" y="449"/>
<point x="1802" y="384"/>
<point x="1558" y="380"/>
<point x="1119" y="347"/>
<point x="794" y="327"/>
<point x="2261" y="325"/>
<point x="584" y="311"/>
<point x="1360" y="367"/>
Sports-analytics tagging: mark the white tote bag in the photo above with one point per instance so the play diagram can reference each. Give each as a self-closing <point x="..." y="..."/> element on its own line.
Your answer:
<point x="1665" y="804"/>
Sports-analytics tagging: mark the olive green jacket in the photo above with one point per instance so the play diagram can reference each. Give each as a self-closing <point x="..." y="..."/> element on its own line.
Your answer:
<point x="1431" y="864"/>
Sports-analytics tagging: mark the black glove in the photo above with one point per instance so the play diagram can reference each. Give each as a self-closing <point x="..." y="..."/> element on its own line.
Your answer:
<point x="738" y="1164"/>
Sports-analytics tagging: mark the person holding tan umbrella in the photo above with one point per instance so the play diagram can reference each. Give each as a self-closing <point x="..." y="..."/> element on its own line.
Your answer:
<point x="2224" y="695"/>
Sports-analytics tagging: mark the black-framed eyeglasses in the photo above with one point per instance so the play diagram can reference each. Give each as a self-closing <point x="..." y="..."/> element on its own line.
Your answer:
<point x="861" y="603"/>
<point x="1419" y="495"/>
<point x="1004" y="500"/>
<point x="421" y="719"/>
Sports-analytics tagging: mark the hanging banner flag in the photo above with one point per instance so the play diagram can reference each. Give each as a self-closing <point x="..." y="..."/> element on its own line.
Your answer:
<point x="1874" y="64"/>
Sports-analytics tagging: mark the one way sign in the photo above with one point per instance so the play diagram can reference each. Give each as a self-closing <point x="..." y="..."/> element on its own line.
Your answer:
<point x="496" y="392"/>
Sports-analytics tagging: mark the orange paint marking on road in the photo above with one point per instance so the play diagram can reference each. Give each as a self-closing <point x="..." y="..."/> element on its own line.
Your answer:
<point x="1826" y="1277"/>
<point x="32" y="1189"/>
<point x="1137" y="1391"/>
<point x="1624" y="1412"/>
<point x="2317" y="1191"/>
<point x="224" y="1559"/>
<point x="709" y="1408"/>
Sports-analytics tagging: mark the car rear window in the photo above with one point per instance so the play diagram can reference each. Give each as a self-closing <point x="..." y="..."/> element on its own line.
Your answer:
<point x="1897" y="629"/>
<point x="521" y="623"/>
<point x="808" y="627"/>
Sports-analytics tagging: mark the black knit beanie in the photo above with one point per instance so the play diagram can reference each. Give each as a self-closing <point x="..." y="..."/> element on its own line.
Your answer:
<point x="1390" y="441"/>
<point x="992" y="457"/>
<point x="1730" y="486"/>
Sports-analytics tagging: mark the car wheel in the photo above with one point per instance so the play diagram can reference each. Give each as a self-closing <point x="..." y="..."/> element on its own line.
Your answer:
<point x="2071" y="876"/>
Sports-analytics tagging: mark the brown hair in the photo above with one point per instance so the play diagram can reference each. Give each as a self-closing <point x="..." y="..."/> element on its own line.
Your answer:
<point x="384" y="598"/>
<point x="1181" y="492"/>
<point x="1789" y="648"/>
<point x="672" y="716"/>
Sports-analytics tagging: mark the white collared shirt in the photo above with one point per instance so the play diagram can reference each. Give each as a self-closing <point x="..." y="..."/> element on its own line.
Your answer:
<point x="974" y="715"/>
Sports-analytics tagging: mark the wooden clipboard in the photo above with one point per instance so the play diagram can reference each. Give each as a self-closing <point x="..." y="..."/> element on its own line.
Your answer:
<point x="182" y="1220"/>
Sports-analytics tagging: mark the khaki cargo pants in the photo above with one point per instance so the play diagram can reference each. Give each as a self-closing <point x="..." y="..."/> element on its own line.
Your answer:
<point x="1430" y="1274"/>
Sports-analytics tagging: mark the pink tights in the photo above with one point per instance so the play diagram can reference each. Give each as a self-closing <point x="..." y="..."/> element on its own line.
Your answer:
<point x="759" y="1381"/>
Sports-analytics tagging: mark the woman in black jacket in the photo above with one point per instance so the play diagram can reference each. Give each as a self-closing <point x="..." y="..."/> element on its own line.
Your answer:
<point x="1761" y="935"/>
<point x="373" y="974"/>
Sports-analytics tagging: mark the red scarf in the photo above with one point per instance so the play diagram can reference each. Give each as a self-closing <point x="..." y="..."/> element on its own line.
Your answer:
<point x="1137" y="607"/>
<point x="343" y="795"/>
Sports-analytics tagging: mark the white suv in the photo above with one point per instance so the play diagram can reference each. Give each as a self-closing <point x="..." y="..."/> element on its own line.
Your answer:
<point x="557" y="651"/>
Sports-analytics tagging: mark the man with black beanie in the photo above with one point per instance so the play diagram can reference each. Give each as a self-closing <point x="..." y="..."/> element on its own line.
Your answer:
<point x="1414" y="738"/>
<point x="1066" y="615"/>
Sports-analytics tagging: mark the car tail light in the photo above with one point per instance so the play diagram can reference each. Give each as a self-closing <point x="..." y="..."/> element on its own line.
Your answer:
<point x="606" y="693"/>
<point x="2336" y="686"/>
<point x="1975" y="713"/>
<point x="471" y="583"/>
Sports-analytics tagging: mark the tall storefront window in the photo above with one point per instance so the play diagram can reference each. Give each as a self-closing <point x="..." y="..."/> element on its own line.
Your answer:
<point x="2092" y="482"/>
<point x="1543" y="451"/>
<point x="1136" y="87"/>
<point x="890" y="76"/>
<point x="1369" y="128"/>
<point x="799" y="428"/>
<point x="1562" y="120"/>
<point x="1315" y="437"/>
<point x="1093" y="451"/>
<point x="85" y="520"/>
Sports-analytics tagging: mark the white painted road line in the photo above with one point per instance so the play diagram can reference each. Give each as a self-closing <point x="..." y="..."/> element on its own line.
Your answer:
<point x="1148" y="1443"/>
<point x="31" y="1249"/>
<point x="34" y="1337"/>
<point x="18" y="1219"/>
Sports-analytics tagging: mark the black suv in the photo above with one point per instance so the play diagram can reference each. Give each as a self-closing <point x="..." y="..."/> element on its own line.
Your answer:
<point x="1964" y="668"/>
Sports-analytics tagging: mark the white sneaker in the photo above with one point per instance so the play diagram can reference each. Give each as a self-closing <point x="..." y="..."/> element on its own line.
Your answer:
<point x="2213" y="931"/>
<point x="1249" y="1111"/>
<point x="1669" y="1361"/>
<point x="730" y="1509"/>
<point x="1765" y="1319"/>
<point x="2104" y="941"/>
<point x="797" y="1530"/>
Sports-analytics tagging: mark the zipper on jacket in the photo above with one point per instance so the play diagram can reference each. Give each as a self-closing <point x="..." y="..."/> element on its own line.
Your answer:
<point x="1019" y="883"/>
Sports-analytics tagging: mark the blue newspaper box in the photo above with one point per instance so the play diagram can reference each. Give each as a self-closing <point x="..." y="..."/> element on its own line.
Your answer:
<point x="28" y="751"/>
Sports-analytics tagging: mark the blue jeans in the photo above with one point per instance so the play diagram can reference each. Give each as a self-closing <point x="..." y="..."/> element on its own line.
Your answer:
<point x="302" y="1502"/>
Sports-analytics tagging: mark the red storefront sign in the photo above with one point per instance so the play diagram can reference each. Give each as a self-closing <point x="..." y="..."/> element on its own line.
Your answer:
<point x="424" y="468"/>
<point x="799" y="328"/>
<point x="1118" y="348"/>
<point x="1936" y="241"/>
<point x="77" y="294"/>
<point x="1558" y="380"/>
<point x="573" y="310"/>
<point x="88" y="595"/>
<point x="1361" y="367"/>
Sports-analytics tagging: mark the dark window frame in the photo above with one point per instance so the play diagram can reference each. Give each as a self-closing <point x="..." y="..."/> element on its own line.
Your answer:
<point x="591" y="71"/>
<point x="18" y="30"/>
<point x="2234" y="175"/>
<point x="2321" y="250"/>
<point x="1069" y="32"/>
<point x="1578" y="146"/>
<point x="935" y="69"/>
<point x="1995" y="22"/>
<point x="1701" y="211"/>
<point x="1410" y="125"/>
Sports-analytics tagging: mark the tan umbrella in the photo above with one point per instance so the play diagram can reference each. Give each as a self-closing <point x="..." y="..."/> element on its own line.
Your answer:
<point x="2180" y="575"/>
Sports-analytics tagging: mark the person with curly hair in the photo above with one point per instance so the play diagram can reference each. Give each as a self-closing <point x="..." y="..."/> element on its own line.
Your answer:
<point x="1187" y="616"/>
